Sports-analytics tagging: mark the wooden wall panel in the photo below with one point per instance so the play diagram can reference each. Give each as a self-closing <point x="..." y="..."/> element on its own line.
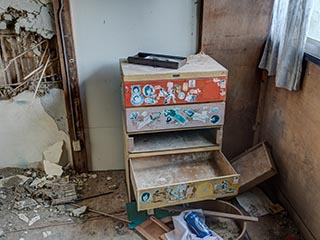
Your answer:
<point x="234" y="33"/>
<point x="291" y="124"/>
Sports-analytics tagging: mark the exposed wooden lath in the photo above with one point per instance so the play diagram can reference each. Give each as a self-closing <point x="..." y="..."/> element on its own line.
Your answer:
<point x="22" y="60"/>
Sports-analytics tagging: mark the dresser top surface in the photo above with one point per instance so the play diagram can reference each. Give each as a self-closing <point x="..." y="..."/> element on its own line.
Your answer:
<point x="196" y="64"/>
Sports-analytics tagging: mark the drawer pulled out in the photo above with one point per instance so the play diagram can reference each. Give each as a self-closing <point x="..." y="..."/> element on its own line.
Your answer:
<point x="174" y="117"/>
<point x="174" y="179"/>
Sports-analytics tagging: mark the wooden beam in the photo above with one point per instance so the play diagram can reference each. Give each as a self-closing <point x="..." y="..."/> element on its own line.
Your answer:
<point x="70" y="82"/>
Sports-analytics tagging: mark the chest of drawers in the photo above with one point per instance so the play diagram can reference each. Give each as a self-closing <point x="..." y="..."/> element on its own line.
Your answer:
<point x="172" y="126"/>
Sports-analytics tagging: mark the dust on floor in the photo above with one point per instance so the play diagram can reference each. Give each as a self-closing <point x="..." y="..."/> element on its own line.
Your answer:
<point x="25" y="215"/>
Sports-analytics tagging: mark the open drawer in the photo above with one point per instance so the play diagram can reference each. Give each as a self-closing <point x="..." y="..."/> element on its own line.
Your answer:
<point x="164" y="143"/>
<point x="174" y="179"/>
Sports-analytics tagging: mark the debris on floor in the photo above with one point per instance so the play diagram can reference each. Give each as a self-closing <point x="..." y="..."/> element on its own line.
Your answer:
<point x="30" y="208"/>
<point x="256" y="203"/>
<point x="78" y="212"/>
<point x="29" y="198"/>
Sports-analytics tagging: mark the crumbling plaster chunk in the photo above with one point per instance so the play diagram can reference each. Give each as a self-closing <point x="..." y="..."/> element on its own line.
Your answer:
<point x="54" y="152"/>
<point x="39" y="17"/>
<point x="52" y="169"/>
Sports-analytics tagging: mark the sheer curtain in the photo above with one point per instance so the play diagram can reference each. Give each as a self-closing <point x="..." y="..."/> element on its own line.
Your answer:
<point x="284" y="49"/>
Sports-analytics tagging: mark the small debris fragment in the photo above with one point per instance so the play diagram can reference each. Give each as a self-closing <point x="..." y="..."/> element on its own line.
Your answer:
<point x="23" y="217"/>
<point x="13" y="181"/>
<point x="27" y="204"/>
<point x="46" y="234"/>
<point x="38" y="182"/>
<point x="52" y="169"/>
<point x="28" y="173"/>
<point x="77" y="212"/>
<point x="109" y="178"/>
<point x="3" y="194"/>
<point x="113" y="187"/>
<point x="2" y="234"/>
<point x="94" y="176"/>
<point x="34" y="219"/>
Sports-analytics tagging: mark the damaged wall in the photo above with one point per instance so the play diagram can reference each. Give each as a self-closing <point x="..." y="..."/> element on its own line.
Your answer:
<point x="32" y="107"/>
<point x="32" y="16"/>
<point x="106" y="31"/>
<point x="27" y="129"/>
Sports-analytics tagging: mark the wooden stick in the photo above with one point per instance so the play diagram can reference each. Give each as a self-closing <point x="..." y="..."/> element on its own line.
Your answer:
<point x="217" y="214"/>
<point x="160" y="224"/>
<point x="104" y="214"/>
<point x="21" y="54"/>
<point x="42" y="74"/>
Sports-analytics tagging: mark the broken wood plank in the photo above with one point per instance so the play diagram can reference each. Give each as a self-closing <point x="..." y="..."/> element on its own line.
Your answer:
<point x="153" y="229"/>
<point x="254" y="166"/>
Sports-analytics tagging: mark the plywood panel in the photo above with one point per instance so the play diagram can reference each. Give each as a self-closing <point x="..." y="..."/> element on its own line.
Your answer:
<point x="233" y="33"/>
<point x="291" y="125"/>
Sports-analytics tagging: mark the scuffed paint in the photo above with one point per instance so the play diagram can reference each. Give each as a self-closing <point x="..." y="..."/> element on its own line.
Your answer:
<point x="30" y="15"/>
<point x="27" y="130"/>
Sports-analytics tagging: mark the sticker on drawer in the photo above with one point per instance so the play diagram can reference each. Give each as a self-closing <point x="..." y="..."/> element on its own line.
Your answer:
<point x="170" y="117"/>
<point x="187" y="192"/>
<point x="180" y="91"/>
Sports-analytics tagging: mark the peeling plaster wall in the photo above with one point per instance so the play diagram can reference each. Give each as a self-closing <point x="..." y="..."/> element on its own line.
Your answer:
<point x="31" y="15"/>
<point x="26" y="128"/>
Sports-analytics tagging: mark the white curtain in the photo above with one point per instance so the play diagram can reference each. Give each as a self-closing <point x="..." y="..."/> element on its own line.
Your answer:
<point x="284" y="50"/>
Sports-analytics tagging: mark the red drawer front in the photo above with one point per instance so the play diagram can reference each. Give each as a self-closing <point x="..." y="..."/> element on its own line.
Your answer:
<point x="180" y="91"/>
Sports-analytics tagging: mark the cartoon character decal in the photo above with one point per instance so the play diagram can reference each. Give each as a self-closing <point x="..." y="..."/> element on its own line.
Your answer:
<point x="136" y="96"/>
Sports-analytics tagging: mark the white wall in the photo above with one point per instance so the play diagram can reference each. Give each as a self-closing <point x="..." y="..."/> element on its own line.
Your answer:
<point x="105" y="31"/>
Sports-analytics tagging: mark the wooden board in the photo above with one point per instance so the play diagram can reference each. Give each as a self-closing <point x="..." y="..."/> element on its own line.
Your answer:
<point x="200" y="66"/>
<point x="174" y="117"/>
<point x="291" y="125"/>
<point x="234" y="33"/>
<point x="153" y="229"/>
<point x="175" y="179"/>
<point x="254" y="166"/>
<point x="179" y="91"/>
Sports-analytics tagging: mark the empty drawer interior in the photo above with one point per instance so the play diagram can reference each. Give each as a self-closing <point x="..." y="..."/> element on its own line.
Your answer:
<point x="172" y="140"/>
<point x="153" y="172"/>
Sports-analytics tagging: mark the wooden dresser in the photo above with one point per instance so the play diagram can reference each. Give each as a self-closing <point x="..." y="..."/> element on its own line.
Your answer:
<point x="172" y="124"/>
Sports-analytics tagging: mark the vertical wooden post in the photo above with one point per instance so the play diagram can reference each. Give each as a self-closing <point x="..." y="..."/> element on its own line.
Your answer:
<point x="70" y="82"/>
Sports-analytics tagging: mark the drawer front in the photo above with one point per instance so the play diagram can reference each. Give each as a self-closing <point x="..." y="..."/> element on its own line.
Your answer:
<point x="180" y="91"/>
<point x="188" y="192"/>
<point x="174" y="117"/>
<point x="181" y="178"/>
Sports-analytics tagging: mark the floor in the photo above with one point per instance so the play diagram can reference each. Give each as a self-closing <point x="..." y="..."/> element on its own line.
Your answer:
<point x="104" y="191"/>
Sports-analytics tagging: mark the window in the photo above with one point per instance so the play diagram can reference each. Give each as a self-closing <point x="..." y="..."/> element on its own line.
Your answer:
<point x="313" y="41"/>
